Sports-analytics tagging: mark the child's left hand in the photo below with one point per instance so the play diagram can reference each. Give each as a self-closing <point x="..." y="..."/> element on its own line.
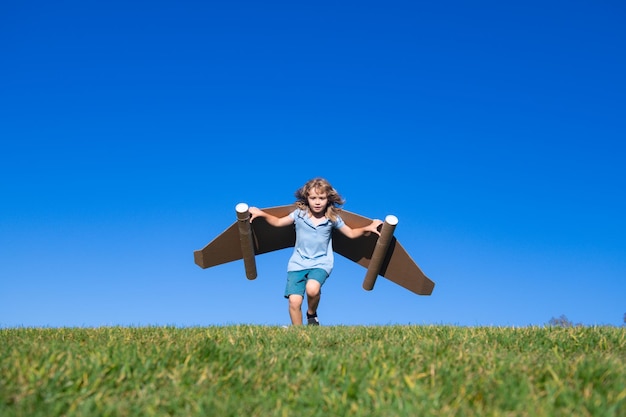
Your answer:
<point x="373" y="227"/>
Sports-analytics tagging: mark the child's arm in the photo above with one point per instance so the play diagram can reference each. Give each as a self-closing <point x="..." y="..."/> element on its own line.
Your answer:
<point x="359" y="231"/>
<point x="272" y="220"/>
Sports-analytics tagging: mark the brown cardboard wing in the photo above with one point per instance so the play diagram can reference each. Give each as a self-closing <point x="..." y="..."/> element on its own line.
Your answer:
<point x="397" y="266"/>
<point x="227" y="248"/>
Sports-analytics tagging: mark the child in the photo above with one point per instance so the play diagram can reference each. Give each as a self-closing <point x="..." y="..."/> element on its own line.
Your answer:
<point x="315" y="217"/>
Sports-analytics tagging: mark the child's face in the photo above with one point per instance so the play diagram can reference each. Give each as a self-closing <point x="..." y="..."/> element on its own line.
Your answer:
<point x="317" y="202"/>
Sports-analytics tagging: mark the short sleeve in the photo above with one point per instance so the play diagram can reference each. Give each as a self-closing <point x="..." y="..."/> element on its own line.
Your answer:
<point x="295" y="213"/>
<point x="339" y="223"/>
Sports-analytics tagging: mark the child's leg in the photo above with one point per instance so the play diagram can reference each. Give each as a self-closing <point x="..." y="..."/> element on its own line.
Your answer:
<point x="294" y="292"/>
<point x="295" y="308"/>
<point x="313" y="294"/>
<point x="315" y="279"/>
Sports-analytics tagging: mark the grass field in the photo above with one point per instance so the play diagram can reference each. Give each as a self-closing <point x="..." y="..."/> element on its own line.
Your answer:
<point x="322" y="371"/>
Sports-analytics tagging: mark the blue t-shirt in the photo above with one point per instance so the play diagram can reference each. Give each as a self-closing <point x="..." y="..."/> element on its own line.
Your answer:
<point x="313" y="248"/>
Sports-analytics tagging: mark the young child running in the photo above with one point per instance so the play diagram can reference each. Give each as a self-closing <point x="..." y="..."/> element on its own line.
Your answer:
<point x="316" y="214"/>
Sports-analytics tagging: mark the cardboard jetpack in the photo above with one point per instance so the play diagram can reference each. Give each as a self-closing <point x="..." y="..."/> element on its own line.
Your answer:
<point x="381" y="255"/>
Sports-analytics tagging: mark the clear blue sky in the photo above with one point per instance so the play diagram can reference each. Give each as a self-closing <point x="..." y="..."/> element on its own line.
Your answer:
<point x="493" y="130"/>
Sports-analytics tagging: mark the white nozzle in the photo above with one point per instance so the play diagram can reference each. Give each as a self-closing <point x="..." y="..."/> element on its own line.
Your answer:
<point x="241" y="207"/>
<point x="391" y="219"/>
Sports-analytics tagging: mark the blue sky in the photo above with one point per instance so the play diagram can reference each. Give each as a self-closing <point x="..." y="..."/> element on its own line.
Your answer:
<point x="130" y="130"/>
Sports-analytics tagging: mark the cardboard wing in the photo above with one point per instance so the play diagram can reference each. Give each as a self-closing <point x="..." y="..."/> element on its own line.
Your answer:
<point x="383" y="256"/>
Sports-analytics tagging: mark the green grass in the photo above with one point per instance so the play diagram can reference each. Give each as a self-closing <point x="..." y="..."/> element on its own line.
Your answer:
<point x="247" y="371"/>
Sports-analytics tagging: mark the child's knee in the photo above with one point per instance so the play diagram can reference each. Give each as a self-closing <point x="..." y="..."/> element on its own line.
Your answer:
<point x="313" y="288"/>
<point x="295" y="301"/>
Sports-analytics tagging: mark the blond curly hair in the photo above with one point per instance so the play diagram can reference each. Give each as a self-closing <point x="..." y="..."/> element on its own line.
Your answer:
<point x="322" y="186"/>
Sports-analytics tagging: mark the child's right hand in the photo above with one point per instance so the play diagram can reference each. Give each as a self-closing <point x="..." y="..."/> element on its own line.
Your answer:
<point x="254" y="213"/>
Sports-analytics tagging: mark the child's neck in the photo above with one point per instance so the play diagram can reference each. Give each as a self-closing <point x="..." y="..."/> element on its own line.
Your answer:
<point x="317" y="218"/>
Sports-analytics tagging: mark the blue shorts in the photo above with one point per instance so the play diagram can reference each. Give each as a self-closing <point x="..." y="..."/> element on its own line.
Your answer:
<point x="296" y="280"/>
